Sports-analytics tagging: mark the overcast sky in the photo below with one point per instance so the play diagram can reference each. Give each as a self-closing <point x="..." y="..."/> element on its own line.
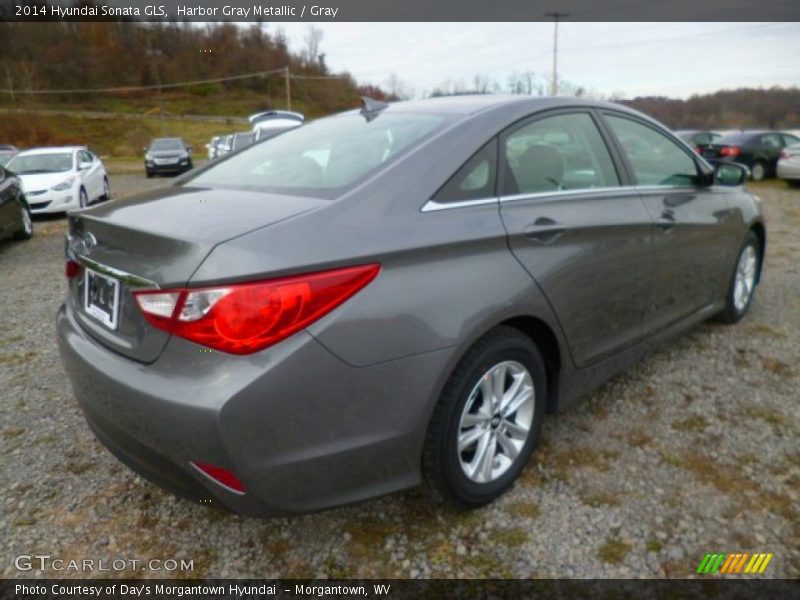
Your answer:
<point x="672" y="59"/>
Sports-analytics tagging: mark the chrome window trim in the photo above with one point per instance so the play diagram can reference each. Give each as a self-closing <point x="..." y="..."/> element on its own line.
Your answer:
<point x="433" y="205"/>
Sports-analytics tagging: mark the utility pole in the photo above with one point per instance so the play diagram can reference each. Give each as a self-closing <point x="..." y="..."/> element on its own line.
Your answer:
<point x="556" y="16"/>
<point x="288" y="88"/>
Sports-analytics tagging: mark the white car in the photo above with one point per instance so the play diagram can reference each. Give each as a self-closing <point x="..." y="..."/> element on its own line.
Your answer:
<point x="58" y="179"/>
<point x="272" y="122"/>
<point x="789" y="164"/>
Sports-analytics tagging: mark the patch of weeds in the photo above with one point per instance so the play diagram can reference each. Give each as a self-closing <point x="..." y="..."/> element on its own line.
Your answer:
<point x="671" y="459"/>
<point x="370" y="535"/>
<point x="79" y="468"/>
<point x="599" y="499"/>
<point x="10" y="340"/>
<point x="511" y="538"/>
<point x="13" y="432"/>
<point x="765" y="329"/>
<point x="613" y="551"/>
<point x="693" y="423"/>
<point x="25" y="521"/>
<point x="528" y="510"/>
<point x="18" y="358"/>
<point x="638" y="439"/>
<point x="486" y="566"/>
<point x="781" y="369"/>
<point x="653" y="546"/>
<point x="773" y="417"/>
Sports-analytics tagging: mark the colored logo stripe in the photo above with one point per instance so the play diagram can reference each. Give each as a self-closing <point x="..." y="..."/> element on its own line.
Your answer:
<point x="734" y="563"/>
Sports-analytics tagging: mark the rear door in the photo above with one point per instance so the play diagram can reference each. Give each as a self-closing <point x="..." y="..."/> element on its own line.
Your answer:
<point x="583" y="236"/>
<point x="693" y="222"/>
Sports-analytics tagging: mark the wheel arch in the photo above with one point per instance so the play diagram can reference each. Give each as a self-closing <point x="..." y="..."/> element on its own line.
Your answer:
<point x="761" y="233"/>
<point x="546" y="341"/>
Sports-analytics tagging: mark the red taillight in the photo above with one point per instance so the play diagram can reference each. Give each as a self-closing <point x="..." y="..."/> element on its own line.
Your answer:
<point x="222" y="476"/>
<point x="243" y="318"/>
<point x="730" y="151"/>
<point x="698" y="150"/>
<point x="72" y="269"/>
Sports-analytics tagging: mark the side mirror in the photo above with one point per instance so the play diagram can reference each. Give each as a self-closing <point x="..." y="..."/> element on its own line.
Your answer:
<point x="731" y="174"/>
<point x="84" y="165"/>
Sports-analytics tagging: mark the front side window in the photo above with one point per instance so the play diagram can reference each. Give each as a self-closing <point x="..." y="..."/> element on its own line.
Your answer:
<point x="324" y="157"/>
<point x="655" y="158"/>
<point x="562" y="152"/>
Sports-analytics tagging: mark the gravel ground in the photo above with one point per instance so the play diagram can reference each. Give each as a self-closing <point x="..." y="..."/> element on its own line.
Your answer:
<point x="695" y="450"/>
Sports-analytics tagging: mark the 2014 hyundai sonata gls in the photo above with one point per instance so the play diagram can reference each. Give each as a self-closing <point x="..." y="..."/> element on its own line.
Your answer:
<point x="393" y="295"/>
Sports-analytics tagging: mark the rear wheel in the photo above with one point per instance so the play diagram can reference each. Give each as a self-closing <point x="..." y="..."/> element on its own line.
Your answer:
<point x="487" y="420"/>
<point x="759" y="171"/>
<point x="743" y="280"/>
<point x="26" y="223"/>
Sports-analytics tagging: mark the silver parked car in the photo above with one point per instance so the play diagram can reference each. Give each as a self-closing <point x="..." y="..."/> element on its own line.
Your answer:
<point x="789" y="164"/>
<point x="394" y="295"/>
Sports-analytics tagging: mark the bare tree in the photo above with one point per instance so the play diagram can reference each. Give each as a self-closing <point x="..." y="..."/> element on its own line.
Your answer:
<point x="313" y="40"/>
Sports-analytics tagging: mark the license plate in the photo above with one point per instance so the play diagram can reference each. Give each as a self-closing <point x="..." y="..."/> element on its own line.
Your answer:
<point x="101" y="298"/>
<point x="166" y="161"/>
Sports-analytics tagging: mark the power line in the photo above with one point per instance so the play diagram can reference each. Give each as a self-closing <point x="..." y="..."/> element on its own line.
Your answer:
<point x="283" y="70"/>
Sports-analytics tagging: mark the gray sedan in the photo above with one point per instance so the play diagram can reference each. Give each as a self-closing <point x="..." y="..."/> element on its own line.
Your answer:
<point x="394" y="295"/>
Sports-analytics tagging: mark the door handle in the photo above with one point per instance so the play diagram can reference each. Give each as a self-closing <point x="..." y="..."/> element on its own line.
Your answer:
<point x="544" y="230"/>
<point x="666" y="221"/>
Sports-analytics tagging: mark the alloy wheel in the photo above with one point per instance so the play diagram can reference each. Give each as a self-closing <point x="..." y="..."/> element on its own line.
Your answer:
<point x="745" y="278"/>
<point x="496" y="421"/>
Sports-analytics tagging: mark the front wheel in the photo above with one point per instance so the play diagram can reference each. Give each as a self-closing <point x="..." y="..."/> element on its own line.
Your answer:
<point x="759" y="171"/>
<point x="487" y="420"/>
<point x="742" y="285"/>
<point x="26" y="224"/>
<point x="83" y="199"/>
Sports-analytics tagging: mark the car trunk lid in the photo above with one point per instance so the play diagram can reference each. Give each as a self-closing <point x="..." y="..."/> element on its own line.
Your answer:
<point x="155" y="241"/>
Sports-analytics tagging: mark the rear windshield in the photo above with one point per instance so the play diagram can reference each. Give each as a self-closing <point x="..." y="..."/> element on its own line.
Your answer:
<point x="41" y="163"/>
<point x="166" y="145"/>
<point x="323" y="158"/>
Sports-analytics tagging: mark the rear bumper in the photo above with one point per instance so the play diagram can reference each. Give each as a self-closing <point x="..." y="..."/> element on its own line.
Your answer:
<point x="788" y="169"/>
<point x="303" y="430"/>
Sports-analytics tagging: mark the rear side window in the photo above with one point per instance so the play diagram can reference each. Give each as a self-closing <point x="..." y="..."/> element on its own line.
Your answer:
<point x="475" y="180"/>
<point x="655" y="158"/>
<point x="772" y="140"/>
<point x="562" y="152"/>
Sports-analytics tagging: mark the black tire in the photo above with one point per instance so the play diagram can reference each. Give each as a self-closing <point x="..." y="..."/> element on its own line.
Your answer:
<point x="83" y="198"/>
<point x="441" y="466"/>
<point x="26" y="224"/>
<point x="149" y="174"/>
<point x="759" y="171"/>
<point x="731" y="314"/>
<point x="106" y="190"/>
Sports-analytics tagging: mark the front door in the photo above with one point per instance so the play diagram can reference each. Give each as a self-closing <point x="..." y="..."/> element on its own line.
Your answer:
<point x="583" y="237"/>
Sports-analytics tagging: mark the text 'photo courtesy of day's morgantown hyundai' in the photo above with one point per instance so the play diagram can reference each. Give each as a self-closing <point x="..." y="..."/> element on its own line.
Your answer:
<point x="394" y="298"/>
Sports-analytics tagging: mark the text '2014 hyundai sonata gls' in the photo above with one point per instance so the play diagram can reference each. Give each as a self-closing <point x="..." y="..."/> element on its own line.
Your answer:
<point x="394" y="295"/>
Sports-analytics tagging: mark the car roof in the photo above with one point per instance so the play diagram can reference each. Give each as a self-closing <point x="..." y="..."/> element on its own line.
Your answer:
<point x="51" y="150"/>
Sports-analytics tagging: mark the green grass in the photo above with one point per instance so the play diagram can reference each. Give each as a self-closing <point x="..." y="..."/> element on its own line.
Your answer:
<point x="613" y="551"/>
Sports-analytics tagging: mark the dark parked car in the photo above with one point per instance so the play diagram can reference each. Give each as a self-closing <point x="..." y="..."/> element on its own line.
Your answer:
<point x="394" y="295"/>
<point x="758" y="150"/>
<point x="7" y="153"/>
<point x="15" y="214"/>
<point x="167" y="155"/>
<point x="698" y="139"/>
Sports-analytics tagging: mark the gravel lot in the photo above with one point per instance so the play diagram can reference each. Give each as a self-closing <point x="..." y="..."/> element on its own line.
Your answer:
<point x="695" y="450"/>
